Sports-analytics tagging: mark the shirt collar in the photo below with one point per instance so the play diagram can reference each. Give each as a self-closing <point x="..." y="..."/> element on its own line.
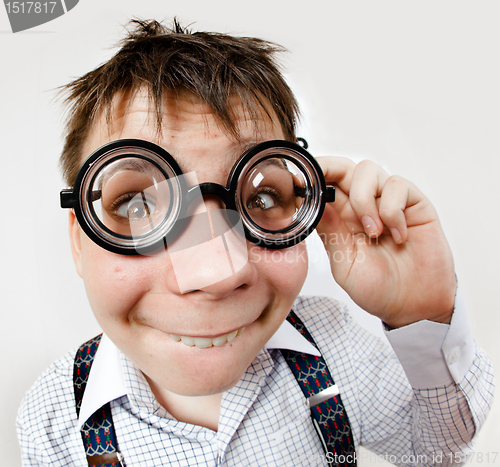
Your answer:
<point x="106" y="380"/>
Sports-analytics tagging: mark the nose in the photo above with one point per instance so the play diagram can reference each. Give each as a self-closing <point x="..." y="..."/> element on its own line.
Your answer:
<point x="211" y="254"/>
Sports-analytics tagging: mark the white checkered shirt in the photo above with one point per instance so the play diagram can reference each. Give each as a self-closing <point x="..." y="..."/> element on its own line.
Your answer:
<point x="264" y="420"/>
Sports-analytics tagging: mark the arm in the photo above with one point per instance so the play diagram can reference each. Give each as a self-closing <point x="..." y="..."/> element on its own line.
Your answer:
<point x="397" y="265"/>
<point x="452" y="391"/>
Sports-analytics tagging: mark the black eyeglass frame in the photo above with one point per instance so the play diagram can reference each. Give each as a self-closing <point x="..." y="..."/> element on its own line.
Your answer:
<point x="72" y="197"/>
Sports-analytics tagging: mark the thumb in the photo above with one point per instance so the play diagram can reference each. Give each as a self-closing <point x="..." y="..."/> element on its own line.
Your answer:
<point x="338" y="241"/>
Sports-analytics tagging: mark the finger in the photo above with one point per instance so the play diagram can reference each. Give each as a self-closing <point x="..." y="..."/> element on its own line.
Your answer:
<point x="343" y="207"/>
<point x="367" y="182"/>
<point x="399" y="202"/>
<point x="393" y="202"/>
<point x="338" y="240"/>
<point x="337" y="170"/>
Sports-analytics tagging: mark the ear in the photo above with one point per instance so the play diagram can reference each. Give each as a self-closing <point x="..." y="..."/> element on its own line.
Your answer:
<point x="75" y="233"/>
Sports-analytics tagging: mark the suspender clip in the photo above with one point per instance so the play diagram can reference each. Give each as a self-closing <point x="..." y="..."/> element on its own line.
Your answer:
<point x="323" y="396"/>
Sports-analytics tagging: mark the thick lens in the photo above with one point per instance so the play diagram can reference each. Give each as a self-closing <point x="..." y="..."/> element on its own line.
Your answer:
<point x="272" y="194"/>
<point x="278" y="190"/>
<point x="131" y="197"/>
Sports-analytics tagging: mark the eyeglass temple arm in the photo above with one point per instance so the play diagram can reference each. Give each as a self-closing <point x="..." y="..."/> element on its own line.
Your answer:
<point x="328" y="194"/>
<point x="68" y="198"/>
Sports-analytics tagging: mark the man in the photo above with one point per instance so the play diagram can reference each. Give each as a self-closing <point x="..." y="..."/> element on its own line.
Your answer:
<point x="189" y="359"/>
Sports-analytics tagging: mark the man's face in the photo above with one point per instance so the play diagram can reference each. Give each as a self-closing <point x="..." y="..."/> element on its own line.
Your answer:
<point x="137" y="300"/>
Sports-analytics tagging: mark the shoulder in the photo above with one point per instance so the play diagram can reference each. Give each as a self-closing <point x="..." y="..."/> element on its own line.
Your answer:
<point x="326" y="317"/>
<point x="46" y="420"/>
<point x="364" y="367"/>
<point x="339" y="337"/>
<point x="320" y="310"/>
<point x="48" y="408"/>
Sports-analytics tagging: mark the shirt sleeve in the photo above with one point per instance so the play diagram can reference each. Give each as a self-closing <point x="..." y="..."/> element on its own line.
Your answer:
<point x="448" y="350"/>
<point x="452" y="382"/>
<point x="433" y="423"/>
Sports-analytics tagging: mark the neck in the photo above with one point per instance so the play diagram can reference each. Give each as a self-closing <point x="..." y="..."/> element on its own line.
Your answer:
<point x="196" y="410"/>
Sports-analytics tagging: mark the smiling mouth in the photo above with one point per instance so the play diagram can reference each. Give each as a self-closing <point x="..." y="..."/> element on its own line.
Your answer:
<point x="206" y="342"/>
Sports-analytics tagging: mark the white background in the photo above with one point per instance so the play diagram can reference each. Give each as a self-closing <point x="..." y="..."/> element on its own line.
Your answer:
<point x="411" y="85"/>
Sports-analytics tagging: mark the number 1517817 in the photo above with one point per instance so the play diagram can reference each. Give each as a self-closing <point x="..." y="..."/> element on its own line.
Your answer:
<point x="30" y="7"/>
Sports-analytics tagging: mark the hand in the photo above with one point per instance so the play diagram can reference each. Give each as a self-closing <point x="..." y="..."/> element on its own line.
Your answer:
<point x="386" y="246"/>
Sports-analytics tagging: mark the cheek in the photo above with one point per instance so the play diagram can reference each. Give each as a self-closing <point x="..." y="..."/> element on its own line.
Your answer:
<point x="114" y="283"/>
<point x="285" y="270"/>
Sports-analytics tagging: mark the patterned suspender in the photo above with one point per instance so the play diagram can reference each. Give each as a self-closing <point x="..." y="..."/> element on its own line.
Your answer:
<point x="312" y="374"/>
<point x="327" y="411"/>
<point x="98" y="432"/>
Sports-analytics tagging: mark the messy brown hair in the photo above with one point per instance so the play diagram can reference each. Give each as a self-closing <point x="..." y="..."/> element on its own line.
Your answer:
<point x="211" y="66"/>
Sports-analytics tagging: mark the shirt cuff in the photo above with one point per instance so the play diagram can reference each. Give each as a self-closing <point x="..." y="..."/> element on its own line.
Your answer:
<point x="435" y="354"/>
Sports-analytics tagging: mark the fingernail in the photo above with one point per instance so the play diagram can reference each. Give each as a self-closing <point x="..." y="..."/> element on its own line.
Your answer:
<point x="396" y="235"/>
<point x="369" y="226"/>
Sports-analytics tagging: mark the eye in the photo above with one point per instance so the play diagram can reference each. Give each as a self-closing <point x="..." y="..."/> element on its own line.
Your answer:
<point x="134" y="206"/>
<point x="261" y="201"/>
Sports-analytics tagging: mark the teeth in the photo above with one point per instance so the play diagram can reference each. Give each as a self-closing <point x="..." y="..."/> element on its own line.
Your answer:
<point x="218" y="341"/>
<point x="202" y="342"/>
<point x="205" y="342"/>
<point x="231" y="336"/>
<point x="186" y="340"/>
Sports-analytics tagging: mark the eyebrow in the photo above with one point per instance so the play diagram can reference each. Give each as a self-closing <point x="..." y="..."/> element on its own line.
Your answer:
<point x="138" y="165"/>
<point x="242" y="149"/>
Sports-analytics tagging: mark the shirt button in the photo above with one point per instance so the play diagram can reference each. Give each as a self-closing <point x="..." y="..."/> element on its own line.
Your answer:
<point x="453" y="356"/>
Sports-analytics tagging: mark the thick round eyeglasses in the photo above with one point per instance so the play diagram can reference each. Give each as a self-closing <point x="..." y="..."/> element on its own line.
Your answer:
<point x="131" y="197"/>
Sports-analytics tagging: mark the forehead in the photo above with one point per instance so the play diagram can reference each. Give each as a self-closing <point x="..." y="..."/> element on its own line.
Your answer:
<point x="189" y="131"/>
